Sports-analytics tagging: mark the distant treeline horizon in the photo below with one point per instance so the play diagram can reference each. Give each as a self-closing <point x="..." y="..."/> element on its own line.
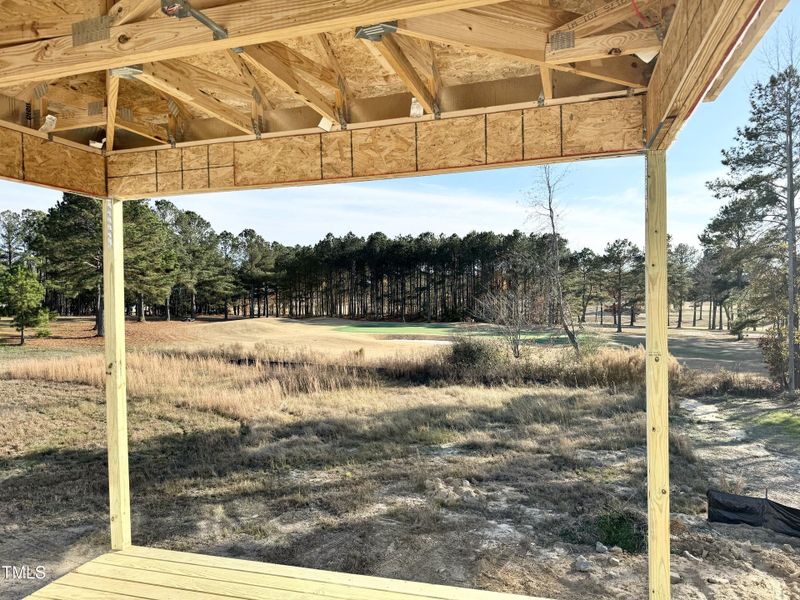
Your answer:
<point x="177" y="266"/>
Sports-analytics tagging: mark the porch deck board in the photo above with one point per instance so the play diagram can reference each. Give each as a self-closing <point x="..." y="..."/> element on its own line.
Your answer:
<point x="155" y="574"/>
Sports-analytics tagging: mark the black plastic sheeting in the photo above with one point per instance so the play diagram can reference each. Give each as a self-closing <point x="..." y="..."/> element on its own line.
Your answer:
<point x="757" y="512"/>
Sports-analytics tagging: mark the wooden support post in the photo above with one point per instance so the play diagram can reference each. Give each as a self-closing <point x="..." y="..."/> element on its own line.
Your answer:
<point x="657" y="377"/>
<point x="116" y="394"/>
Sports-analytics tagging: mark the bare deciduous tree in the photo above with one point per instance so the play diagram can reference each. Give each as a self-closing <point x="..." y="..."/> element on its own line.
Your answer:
<point x="544" y="209"/>
<point x="510" y="312"/>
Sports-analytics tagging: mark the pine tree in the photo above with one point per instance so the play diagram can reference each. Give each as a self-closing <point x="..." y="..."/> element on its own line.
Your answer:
<point x="22" y="295"/>
<point x="150" y="258"/>
<point x="680" y="263"/>
<point x="762" y="169"/>
<point x="620" y="259"/>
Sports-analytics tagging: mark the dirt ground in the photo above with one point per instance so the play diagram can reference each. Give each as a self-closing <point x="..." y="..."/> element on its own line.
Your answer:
<point x="495" y="488"/>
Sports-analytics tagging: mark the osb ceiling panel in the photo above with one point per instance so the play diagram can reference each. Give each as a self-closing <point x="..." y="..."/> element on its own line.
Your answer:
<point x="365" y="75"/>
<point x="457" y="66"/>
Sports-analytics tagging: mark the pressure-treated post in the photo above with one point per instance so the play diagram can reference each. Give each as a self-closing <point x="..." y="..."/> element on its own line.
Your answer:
<point x="116" y="393"/>
<point x="657" y="377"/>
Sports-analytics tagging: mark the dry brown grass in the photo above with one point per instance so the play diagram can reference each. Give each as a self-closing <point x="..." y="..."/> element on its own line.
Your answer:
<point x="214" y="381"/>
<point x="246" y="381"/>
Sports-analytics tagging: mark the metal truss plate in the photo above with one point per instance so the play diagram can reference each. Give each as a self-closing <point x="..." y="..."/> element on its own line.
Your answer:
<point x="562" y="40"/>
<point x="40" y="91"/>
<point x="91" y="30"/>
<point x="95" y="108"/>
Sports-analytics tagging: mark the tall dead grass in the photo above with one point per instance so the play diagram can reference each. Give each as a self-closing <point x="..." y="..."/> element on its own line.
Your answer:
<point x="242" y="383"/>
<point x="215" y="381"/>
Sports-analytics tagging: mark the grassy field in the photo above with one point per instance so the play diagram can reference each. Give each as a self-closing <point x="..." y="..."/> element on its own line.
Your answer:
<point x="303" y="443"/>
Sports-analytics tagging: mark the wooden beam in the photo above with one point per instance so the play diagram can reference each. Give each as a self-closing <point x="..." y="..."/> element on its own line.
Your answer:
<point x="173" y="82"/>
<point x="209" y="82"/>
<point x="264" y="59"/>
<point x="481" y="32"/>
<point x="165" y="39"/>
<point x="246" y="75"/>
<point x="603" y="46"/>
<point x="695" y="49"/>
<point x="343" y="96"/>
<point x="112" y="95"/>
<point x="630" y="71"/>
<point x="300" y="62"/>
<point x="525" y="13"/>
<point x="547" y="82"/>
<point x="767" y="14"/>
<point x="146" y="130"/>
<point x="116" y="389"/>
<point x="504" y="39"/>
<point x="130" y="11"/>
<point x="606" y="16"/>
<point x="394" y="55"/>
<point x="81" y="121"/>
<point x="657" y="376"/>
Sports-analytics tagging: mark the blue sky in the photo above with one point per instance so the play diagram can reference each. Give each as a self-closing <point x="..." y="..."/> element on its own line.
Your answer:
<point x="602" y="199"/>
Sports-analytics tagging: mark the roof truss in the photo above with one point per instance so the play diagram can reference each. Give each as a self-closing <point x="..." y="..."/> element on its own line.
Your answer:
<point x="302" y="70"/>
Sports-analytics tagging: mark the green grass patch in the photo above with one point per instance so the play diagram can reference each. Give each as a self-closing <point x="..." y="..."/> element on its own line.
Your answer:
<point x="401" y="328"/>
<point x="448" y="330"/>
<point x="784" y="421"/>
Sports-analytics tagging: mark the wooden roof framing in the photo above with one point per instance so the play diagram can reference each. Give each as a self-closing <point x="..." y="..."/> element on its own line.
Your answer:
<point x="295" y="69"/>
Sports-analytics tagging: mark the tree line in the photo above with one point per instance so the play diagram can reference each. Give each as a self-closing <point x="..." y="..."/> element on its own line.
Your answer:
<point x="177" y="266"/>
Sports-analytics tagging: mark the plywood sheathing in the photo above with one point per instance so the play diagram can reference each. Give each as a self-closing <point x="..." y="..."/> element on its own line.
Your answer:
<point x="504" y="137"/>
<point x="10" y="154"/>
<point x="278" y="160"/>
<point x="597" y="128"/>
<point x="62" y="166"/>
<point x="542" y="134"/>
<point x="337" y="155"/>
<point x="451" y="143"/>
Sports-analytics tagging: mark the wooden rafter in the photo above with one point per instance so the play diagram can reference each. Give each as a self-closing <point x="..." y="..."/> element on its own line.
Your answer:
<point x="173" y="82"/>
<point x="165" y="39"/>
<point x="211" y="82"/>
<point x="420" y="54"/>
<point x="81" y="121"/>
<point x="510" y="39"/>
<point x="301" y="62"/>
<point x="525" y="13"/>
<point x="606" y="16"/>
<point x="488" y="34"/>
<point x="343" y="95"/>
<point x="401" y="65"/>
<point x="156" y="133"/>
<point x="130" y="11"/>
<point x="547" y="82"/>
<point x="245" y="74"/>
<point x="112" y="95"/>
<point x="272" y="65"/>
<point x="602" y="46"/>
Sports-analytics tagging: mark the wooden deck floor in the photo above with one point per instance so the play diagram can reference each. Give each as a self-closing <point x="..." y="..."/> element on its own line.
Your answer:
<point x="165" y="575"/>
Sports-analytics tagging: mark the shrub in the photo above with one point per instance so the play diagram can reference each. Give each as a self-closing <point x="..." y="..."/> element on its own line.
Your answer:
<point x="43" y="323"/>
<point x="774" y="349"/>
<point x="473" y="359"/>
<point x="622" y="526"/>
